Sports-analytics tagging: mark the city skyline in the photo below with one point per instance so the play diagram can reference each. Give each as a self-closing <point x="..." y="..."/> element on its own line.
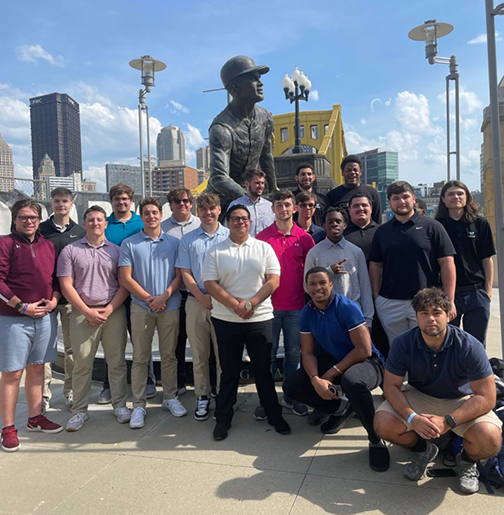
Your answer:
<point x="356" y="53"/>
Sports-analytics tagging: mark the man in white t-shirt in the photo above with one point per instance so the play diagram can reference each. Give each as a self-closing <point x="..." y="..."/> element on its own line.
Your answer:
<point x="240" y="274"/>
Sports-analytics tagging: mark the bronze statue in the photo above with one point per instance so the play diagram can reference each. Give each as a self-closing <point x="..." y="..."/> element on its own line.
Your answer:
<point x="240" y="136"/>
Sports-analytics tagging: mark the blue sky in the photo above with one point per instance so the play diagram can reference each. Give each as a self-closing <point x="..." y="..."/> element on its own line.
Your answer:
<point x="356" y="53"/>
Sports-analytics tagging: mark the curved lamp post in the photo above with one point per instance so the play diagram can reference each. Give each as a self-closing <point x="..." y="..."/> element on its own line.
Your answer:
<point x="297" y="87"/>
<point x="148" y="66"/>
<point x="429" y="32"/>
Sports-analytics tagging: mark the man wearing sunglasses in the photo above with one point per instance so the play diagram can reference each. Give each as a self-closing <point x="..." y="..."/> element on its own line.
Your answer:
<point x="180" y="223"/>
<point x="306" y="203"/>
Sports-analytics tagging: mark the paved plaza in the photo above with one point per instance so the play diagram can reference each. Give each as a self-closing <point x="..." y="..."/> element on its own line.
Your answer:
<point x="173" y="465"/>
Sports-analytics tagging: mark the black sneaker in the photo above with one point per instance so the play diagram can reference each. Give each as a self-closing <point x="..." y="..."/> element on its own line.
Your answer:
<point x="316" y="417"/>
<point x="336" y="422"/>
<point x="220" y="431"/>
<point x="379" y="457"/>
<point x="280" y="425"/>
<point x="260" y="413"/>
<point x="202" y="408"/>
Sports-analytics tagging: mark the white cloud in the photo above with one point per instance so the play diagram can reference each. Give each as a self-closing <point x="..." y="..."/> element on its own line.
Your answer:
<point x="314" y="95"/>
<point x="373" y="103"/>
<point x="193" y="140"/>
<point x="481" y="39"/>
<point x="412" y="112"/>
<point x="363" y="121"/>
<point x="23" y="172"/>
<point x="177" y="107"/>
<point x="97" y="174"/>
<point x="32" y="53"/>
<point x="14" y="118"/>
<point x="469" y="101"/>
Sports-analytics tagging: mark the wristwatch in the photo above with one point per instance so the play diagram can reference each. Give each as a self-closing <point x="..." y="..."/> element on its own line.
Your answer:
<point x="19" y="305"/>
<point x="451" y="421"/>
<point x="248" y="305"/>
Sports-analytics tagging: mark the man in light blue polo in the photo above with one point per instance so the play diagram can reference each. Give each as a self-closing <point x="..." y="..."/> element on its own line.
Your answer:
<point x="147" y="271"/>
<point x="192" y="252"/>
<point x="261" y="214"/>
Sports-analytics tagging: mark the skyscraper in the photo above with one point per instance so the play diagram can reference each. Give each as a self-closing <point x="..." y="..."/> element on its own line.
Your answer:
<point x="203" y="159"/>
<point x="55" y="131"/>
<point x="125" y="174"/>
<point x="6" y="166"/>
<point x="171" y="145"/>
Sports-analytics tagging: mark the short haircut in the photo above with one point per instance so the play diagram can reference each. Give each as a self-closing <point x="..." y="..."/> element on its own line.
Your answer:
<point x="119" y="189"/>
<point x="330" y="210"/>
<point x="283" y="194"/>
<point x="234" y="208"/>
<point x="352" y="158"/>
<point x="250" y="174"/>
<point x="61" y="192"/>
<point x="149" y="201"/>
<point x="208" y="200"/>
<point x="178" y="192"/>
<point x="421" y="204"/>
<point x="360" y="194"/>
<point x="317" y="270"/>
<point x="433" y="297"/>
<point x="396" y="188"/>
<point x="21" y="204"/>
<point x="302" y="166"/>
<point x="305" y="196"/>
<point x="95" y="208"/>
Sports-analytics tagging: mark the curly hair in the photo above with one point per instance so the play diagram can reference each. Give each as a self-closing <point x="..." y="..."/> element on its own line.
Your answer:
<point x="433" y="297"/>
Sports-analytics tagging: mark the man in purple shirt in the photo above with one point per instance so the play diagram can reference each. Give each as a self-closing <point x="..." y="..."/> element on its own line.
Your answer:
<point x="88" y="275"/>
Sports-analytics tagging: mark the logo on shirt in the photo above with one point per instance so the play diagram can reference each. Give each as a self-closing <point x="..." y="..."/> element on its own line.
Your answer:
<point x="471" y="234"/>
<point x="18" y="246"/>
<point x="296" y="244"/>
<point x="73" y="235"/>
<point x="418" y="228"/>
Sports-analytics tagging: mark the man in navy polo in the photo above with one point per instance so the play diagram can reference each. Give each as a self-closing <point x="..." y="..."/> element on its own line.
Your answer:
<point x="450" y="387"/>
<point x="337" y="353"/>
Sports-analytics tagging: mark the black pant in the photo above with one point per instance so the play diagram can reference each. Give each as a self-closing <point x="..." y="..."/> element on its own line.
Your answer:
<point x="258" y="337"/>
<point x="357" y="383"/>
<point x="180" y="351"/>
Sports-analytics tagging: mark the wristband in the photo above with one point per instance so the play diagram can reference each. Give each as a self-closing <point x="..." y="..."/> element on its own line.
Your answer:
<point x="23" y="311"/>
<point x="337" y="369"/>
<point x="314" y="375"/>
<point x="411" y="417"/>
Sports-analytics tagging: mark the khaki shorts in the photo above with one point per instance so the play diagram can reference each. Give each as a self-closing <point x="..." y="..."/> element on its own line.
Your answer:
<point x="422" y="403"/>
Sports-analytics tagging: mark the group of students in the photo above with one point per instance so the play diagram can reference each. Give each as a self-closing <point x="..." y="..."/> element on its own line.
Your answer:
<point x="322" y="271"/>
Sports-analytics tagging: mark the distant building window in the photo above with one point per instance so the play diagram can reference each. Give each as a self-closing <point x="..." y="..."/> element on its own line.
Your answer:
<point x="301" y="131"/>
<point x="326" y="128"/>
<point x="314" y="131"/>
<point x="284" y="135"/>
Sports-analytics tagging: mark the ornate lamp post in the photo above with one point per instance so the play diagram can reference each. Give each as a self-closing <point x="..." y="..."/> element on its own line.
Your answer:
<point x="297" y="87"/>
<point x="148" y="66"/>
<point x="429" y="32"/>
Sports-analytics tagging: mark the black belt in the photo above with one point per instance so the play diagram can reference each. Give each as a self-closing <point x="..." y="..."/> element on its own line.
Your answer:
<point x="190" y="294"/>
<point x="470" y="287"/>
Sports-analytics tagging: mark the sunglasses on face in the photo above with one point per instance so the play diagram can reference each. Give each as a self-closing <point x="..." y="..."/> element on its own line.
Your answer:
<point x="310" y="205"/>
<point x="181" y="200"/>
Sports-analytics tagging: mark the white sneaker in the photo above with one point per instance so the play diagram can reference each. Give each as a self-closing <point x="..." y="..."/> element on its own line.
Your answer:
<point x="123" y="415"/>
<point x="137" y="418"/>
<point x="174" y="406"/>
<point x="76" y="422"/>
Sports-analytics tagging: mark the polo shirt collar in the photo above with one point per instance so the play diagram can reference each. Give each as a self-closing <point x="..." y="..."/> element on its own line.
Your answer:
<point x="113" y="220"/>
<point x="413" y="219"/>
<point x="60" y="228"/>
<point x="332" y="299"/>
<point x="328" y="243"/>
<point x="85" y="241"/>
<point x="174" y="221"/>
<point x="146" y="237"/>
<point x="448" y="342"/>
<point x="277" y="232"/>
<point x="354" y="227"/>
<point x="247" y="242"/>
<point x="24" y="239"/>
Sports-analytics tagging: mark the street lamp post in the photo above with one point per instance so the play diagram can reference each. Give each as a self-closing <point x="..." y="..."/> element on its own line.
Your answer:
<point x="148" y="66"/>
<point x="496" y="149"/>
<point x="429" y="32"/>
<point x="297" y="87"/>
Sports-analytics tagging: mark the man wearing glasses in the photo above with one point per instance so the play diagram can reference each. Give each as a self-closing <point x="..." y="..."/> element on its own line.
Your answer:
<point x="29" y="294"/>
<point x="306" y="203"/>
<point x="181" y="222"/>
<point x="240" y="274"/>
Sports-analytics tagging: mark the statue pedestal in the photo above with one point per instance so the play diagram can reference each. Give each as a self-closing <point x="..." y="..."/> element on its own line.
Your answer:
<point x="285" y="168"/>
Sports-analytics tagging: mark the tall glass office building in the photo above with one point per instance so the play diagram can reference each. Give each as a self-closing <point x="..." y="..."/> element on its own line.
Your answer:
<point x="380" y="168"/>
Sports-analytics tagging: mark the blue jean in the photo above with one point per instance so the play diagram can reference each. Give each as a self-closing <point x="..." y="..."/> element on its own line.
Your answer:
<point x="473" y="308"/>
<point x="288" y="323"/>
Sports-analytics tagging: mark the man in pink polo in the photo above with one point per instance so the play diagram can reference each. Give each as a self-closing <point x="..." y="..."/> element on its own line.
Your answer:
<point x="291" y="245"/>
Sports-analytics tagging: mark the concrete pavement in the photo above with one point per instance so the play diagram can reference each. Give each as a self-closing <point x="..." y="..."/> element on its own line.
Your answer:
<point x="173" y="465"/>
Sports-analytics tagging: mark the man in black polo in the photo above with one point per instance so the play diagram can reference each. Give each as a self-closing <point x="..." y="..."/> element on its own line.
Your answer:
<point x="351" y="171"/>
<point x="61" y="230"/>
<point x="450" y="387"/>
<point x="305" y="178"/>
<point x="409" y="252"/>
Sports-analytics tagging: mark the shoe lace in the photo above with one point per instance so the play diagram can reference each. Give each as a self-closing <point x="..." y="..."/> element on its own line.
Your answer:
<point x="202" y="404"/>
<point x="469" y="471"/>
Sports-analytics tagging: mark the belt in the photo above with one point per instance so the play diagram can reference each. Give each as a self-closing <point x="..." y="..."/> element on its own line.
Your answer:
<point x="470" y="287"/>
<point x="190" y="294"/>
<point x="98" y="307"/>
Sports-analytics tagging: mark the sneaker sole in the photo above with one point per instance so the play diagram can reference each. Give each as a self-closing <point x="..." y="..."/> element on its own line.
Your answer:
<point x="124" y="421"/>
<point x="151" y="396"/>
<point x="104" y="401"/>
<point x="10" y="449"/>
<point x="137" y="426"/>
<point x="74" y="429"/>
<point x="260" y="419"/>
<point x="434" y="456"/>
<point x="164" y="408"/>
<point x="201" y="419"/>
<point x="46" y="431"/>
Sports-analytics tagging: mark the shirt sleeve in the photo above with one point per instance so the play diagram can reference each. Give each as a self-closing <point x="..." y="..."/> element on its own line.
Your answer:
<point x="272" y="265"/>
<point x="476" y="361"/>
<point x="365" y="288"/>
<point x="349" y="314"/>
<point x="310" y="262"/>
<point x="184" y="258"/>
<point x="376" y="253"/>
<point x="443" y="245"/>
<point x="308" y="244"/>
<point x="65" y="265"/>
<point x="5" y="260"/>
<point x="303" y="321"/>
<point x="396" y="360"/>
<point x="486" y="247"/>
<point x="210" y="271"/>
<point x="125" y="256"/>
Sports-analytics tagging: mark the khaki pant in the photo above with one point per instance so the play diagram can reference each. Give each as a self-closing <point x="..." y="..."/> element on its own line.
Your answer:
<point x="201" y="334"/>
<point x="64" y="310"/>
<point x="85" y="340"/>
<point x="143" y="324"/>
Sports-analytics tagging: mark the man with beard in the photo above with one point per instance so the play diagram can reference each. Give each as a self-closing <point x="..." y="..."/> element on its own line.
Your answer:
<point x="305" y="178"/>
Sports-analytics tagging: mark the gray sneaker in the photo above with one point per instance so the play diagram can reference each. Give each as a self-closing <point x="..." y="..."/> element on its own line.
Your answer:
<point x="415" y="469"/>
<point x="150" y="391"/>
<point x="468" y="475"/>
<point x="76" y="422"/>
<point x="105" y="396"/>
